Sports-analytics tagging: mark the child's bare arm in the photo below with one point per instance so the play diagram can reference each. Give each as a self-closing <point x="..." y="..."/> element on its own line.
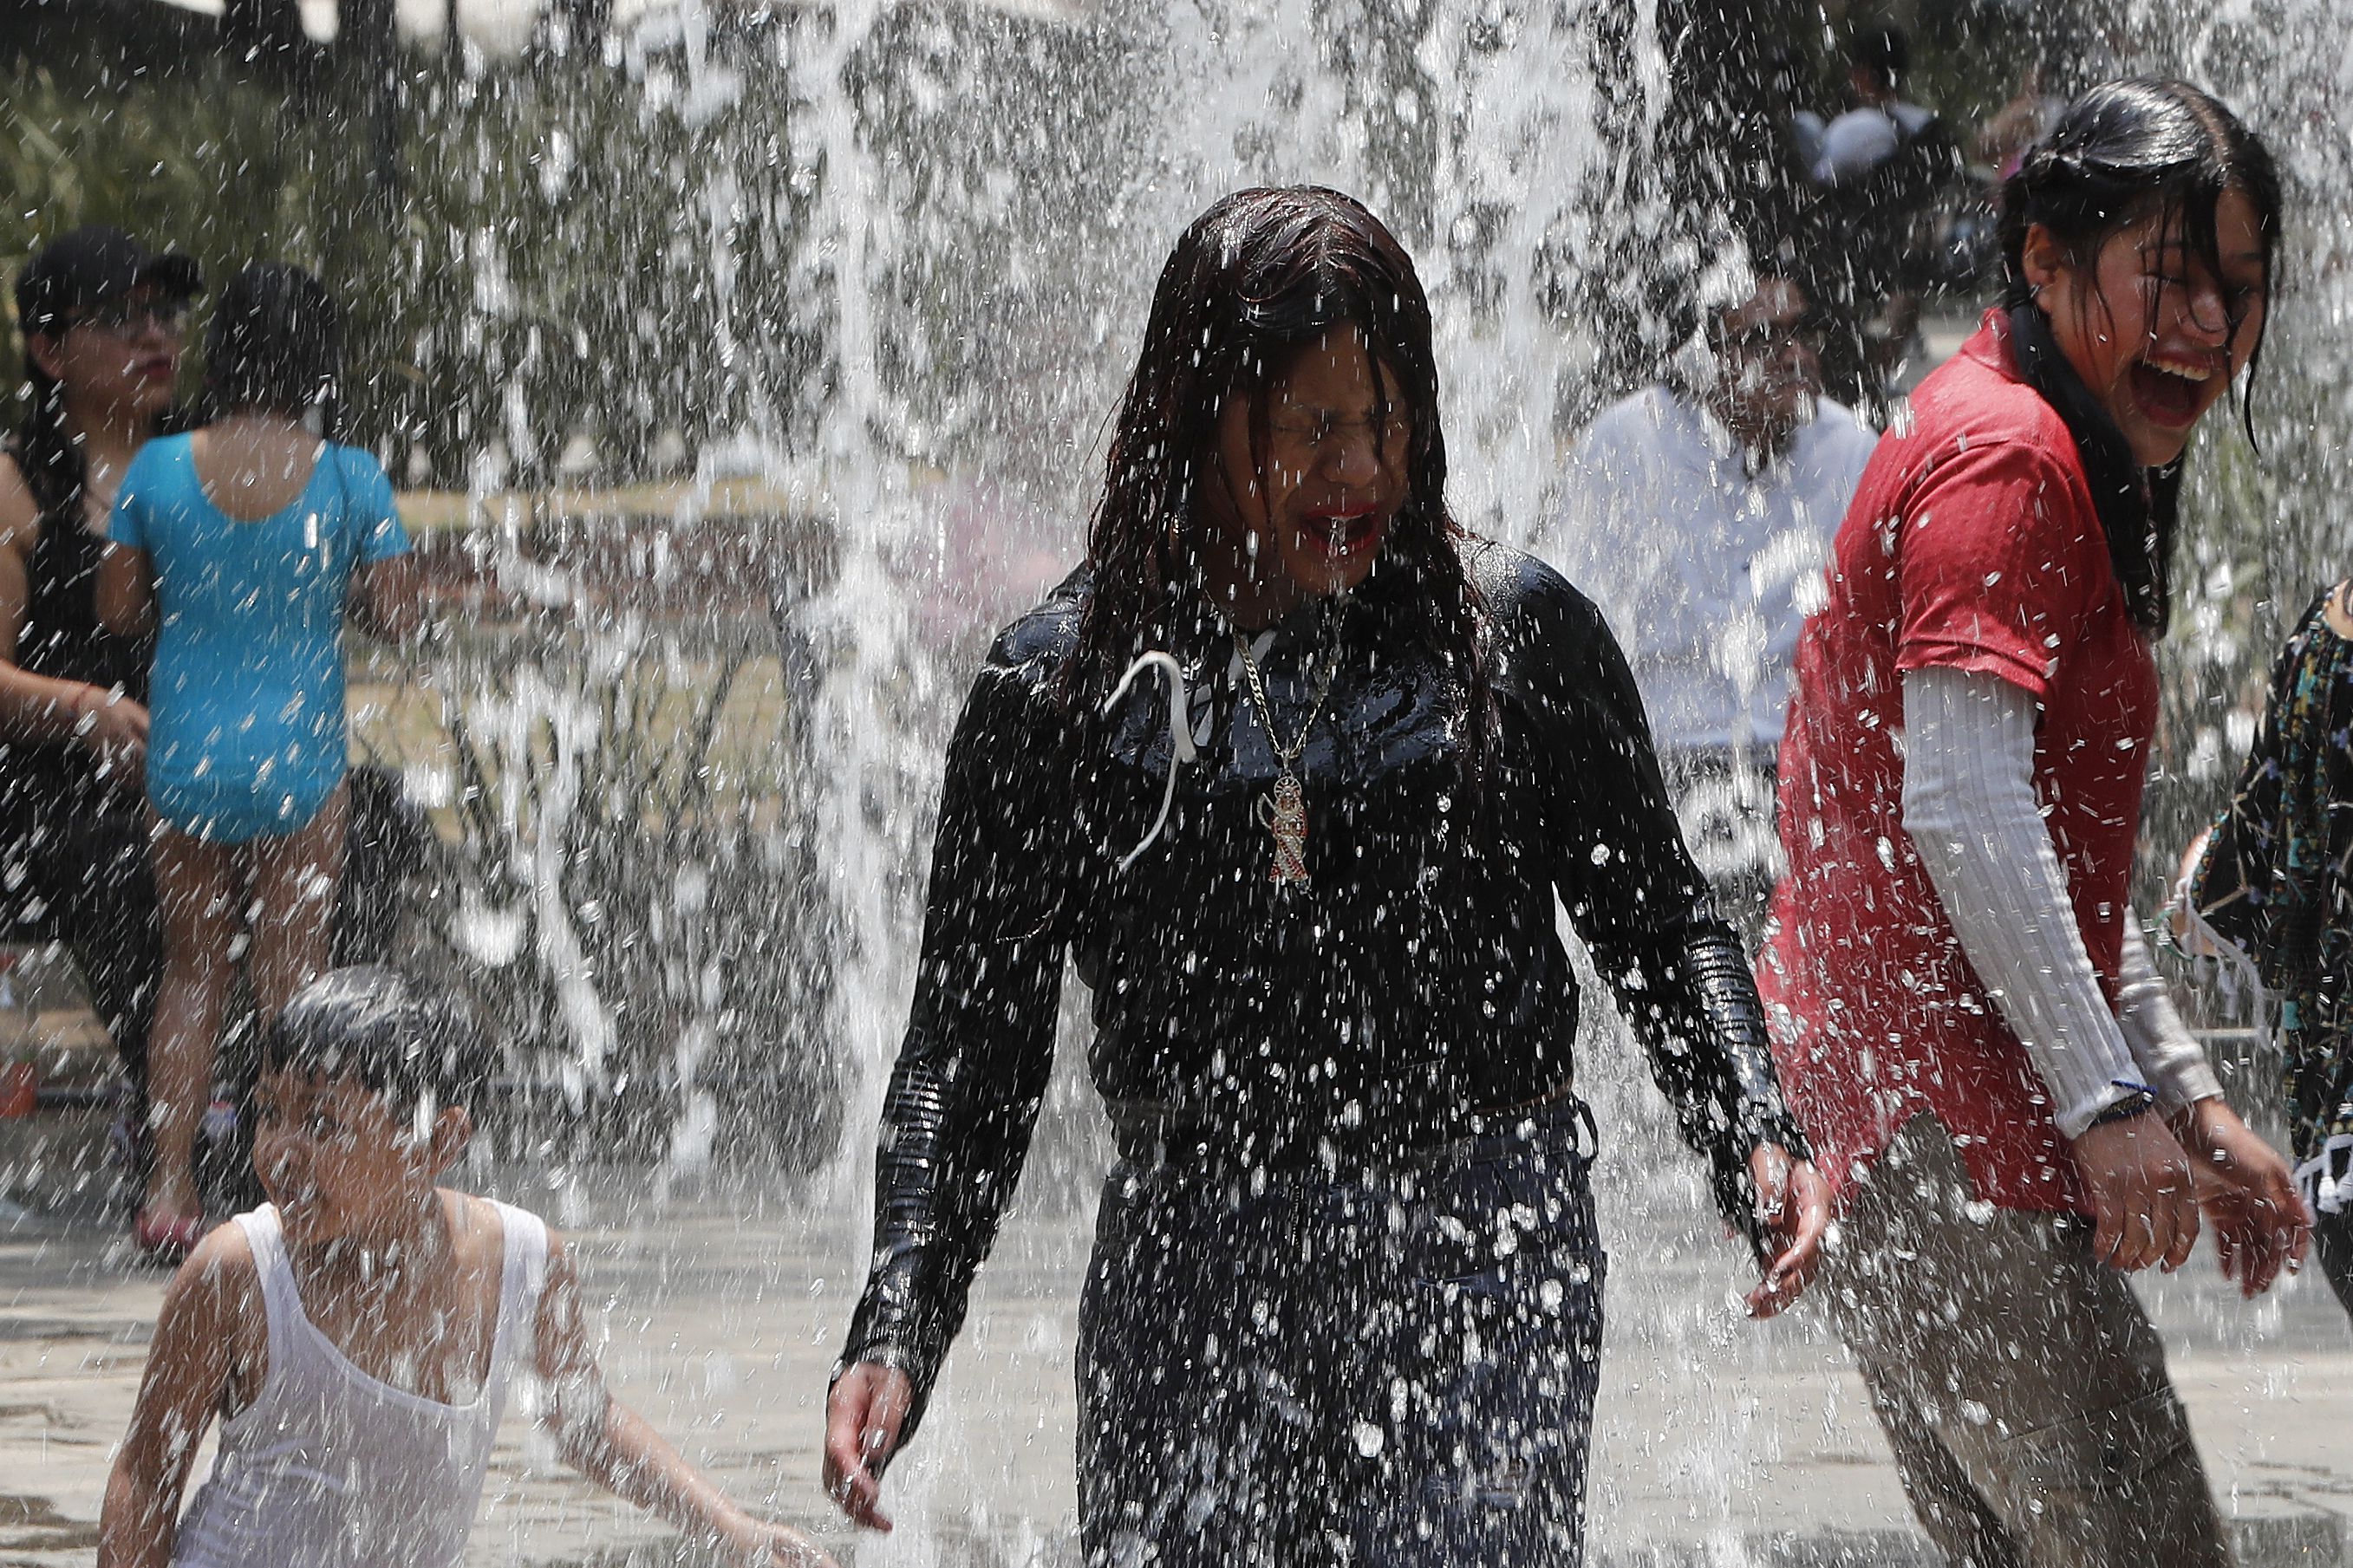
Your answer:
<point x="388" y="599"/>
<point x="616" y="1447"/>
<point x="188" y="1364"/>
<point x="126" y="591"/>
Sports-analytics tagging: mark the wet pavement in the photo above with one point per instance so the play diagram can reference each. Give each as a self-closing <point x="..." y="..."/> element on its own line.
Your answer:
<point x="1719" y="1442"/>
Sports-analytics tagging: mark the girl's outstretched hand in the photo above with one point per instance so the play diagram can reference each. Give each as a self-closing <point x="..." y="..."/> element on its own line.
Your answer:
<point x="863" y="1417"/>
<point x="1793" y="1210"/>
<point x="2261" y="1225"/>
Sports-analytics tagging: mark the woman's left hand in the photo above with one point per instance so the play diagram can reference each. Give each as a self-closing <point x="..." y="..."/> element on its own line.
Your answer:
<point x="2248" y="1194"/>
<point x="1793" y="1210"/>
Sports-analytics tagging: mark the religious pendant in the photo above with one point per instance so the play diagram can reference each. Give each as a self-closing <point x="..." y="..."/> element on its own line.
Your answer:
<point x="1284" y="814"/>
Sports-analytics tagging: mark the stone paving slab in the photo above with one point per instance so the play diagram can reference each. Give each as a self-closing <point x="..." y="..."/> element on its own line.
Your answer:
<point x="1717" y="1442"/>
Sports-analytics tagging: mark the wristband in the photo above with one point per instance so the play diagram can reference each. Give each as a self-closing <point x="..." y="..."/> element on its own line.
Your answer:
<point x="2141" y="1102"/>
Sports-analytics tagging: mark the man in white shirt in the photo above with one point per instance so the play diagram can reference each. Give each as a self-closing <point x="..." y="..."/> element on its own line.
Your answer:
<point x="1698" y="515"/>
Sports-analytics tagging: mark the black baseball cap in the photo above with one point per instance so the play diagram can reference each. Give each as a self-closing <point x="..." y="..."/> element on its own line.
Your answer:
<point x="91" y="265"/>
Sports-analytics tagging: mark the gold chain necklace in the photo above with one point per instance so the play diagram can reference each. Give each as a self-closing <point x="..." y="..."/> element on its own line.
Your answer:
<point x="1284" y="811"/>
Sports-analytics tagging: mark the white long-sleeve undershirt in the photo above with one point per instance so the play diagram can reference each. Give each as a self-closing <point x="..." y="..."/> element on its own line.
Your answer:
<point x="1969" y="804"/>
<point x="2171" y="1060"/>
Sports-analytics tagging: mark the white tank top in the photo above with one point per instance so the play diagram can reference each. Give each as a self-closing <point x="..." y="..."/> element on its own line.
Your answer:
<point x="329" y="1467"/>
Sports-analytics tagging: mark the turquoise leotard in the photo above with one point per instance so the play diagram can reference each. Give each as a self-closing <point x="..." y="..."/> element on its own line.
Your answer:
<point x="247" y="732"/>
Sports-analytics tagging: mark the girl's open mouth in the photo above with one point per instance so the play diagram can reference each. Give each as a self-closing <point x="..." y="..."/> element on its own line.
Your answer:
<point x="1339" y="536"/>
<point x="2172" y="392"/>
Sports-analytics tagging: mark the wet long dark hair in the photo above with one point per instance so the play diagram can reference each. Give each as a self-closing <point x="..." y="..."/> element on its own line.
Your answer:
<point x="276" y="346"/>
<point x="45" y="452"/>
<point x="44" y="449"/>
<point x="1256" y="279"/>
<point x="2122" y="152"/>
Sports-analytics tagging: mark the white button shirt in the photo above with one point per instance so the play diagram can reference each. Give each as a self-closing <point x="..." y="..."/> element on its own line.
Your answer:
<point x="1704" y="571"/>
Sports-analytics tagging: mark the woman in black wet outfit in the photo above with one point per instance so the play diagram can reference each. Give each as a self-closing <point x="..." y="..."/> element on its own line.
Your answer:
<point x="1295" y="769"/>
<point x="103" y="320"/>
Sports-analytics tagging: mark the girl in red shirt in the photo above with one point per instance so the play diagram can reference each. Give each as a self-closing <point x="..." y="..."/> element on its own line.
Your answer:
<point x="1966" y="1021"/>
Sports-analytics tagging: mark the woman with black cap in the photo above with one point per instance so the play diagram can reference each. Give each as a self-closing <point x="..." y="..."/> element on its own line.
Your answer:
<point x="1295" y="769"/>
<point x="245" y="543"/>
<point x="102" y="319"/>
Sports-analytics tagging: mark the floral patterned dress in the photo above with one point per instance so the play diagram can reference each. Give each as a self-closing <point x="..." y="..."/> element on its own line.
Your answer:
<point x="2277" y="881"/>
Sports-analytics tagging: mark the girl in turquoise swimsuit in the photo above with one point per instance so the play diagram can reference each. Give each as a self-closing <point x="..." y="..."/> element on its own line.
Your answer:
<point x="242" y="545"/>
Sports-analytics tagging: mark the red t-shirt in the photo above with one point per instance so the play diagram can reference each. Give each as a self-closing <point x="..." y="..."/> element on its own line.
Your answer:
<point x="1971" y="544"/>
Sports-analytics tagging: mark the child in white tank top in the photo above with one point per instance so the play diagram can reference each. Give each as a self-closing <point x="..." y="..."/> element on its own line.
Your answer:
<point x="357" y="1334"/>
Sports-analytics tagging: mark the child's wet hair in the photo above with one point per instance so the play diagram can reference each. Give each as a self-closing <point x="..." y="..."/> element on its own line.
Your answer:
<point x="276" y="343"/>
<point x="371" y="1025"/>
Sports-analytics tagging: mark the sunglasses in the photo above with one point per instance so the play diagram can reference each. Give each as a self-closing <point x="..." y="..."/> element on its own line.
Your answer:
<point x="127" y="319"/>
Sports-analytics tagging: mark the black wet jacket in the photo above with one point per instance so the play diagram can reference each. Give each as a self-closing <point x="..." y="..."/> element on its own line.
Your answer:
<point x="1417" y="977"/>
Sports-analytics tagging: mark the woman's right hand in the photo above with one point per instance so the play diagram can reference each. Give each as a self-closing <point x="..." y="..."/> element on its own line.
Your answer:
<point x="2142" y="1197"/>
<point x="115" y="728"/>
<point x="864" y="1416"/>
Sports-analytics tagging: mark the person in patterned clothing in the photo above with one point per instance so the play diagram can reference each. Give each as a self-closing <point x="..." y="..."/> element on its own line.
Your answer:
<point x="2273" y="882"/>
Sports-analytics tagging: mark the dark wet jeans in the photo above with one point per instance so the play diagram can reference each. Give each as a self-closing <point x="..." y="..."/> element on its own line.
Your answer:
<point x="1371" y="1368"/>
